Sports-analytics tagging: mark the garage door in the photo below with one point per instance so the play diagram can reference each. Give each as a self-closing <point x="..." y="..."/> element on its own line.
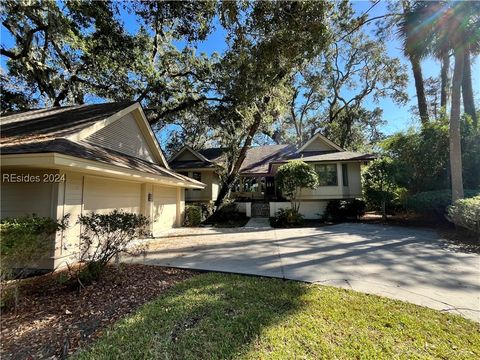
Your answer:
<point x="164" y="208"/>
<point x="104" y="195"/>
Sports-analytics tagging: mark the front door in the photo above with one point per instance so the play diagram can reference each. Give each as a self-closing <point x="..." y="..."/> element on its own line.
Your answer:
<point x="269" y="187"/>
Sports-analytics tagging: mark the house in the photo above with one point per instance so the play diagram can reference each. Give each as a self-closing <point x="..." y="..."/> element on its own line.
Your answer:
<point x="88" y="158"/>
<point x="256" y="191"/>
<point x="203" y="165"/>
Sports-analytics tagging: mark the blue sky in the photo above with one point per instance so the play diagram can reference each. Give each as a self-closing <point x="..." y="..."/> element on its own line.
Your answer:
<point x="397" y="117"/>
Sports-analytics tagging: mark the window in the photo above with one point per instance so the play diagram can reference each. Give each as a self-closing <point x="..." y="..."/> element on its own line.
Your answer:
<point x="197" y="176"/>
<point x="327" y="174"/>
<point x="345" y="174"/>
<point x="250" y="184"/>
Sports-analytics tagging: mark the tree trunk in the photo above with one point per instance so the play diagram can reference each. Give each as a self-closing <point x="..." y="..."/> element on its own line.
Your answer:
<point x="467" y="91"/>
<point x="227" y="184"/>
<point x="445" y="80"/>
<point x="420" y="89"/>
<point x="455" y="145"/>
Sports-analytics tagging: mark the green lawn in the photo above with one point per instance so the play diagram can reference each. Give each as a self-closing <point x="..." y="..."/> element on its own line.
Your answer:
<point x="218" y="316"/>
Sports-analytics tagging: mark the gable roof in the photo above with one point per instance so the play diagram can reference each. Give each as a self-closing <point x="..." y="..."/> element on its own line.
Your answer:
<point x="64" y="130"/>
<point x="323" y="139"/>
<point x="195" y="153"/>
<point x="257" y="159"/>
<point x="56" y="122"/>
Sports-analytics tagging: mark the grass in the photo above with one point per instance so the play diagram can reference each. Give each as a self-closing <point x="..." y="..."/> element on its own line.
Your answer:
<point x="219" y="316"/>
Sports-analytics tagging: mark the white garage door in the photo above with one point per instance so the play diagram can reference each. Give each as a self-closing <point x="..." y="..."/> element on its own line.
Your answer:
<point x="104" y="195"/>
<point x="164" y="208"/>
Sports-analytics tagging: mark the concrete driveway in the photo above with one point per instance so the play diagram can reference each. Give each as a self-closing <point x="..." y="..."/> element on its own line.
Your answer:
<point x="401" y="263"/>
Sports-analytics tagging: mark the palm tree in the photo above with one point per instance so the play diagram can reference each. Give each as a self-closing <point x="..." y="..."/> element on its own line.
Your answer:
<point x="467" y="91"/>
<point x="413" y="35"/>
<point x="438" y="28"/>
<point x="455" y="140"/>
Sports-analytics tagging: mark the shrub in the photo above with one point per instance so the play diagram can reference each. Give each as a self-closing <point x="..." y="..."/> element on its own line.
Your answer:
<point x="379" y="185"/>
<point x="344" y="209"/>
<point x="193" y="215"/>
<point x="293" y="176"/>
<point x="228" y="212"/>
<point x="287" y="218"/>
<point x="25" y="241"/>
<point x="103" y="237"/>
<point x="434" y="202"/>
<point x="466" y="214"/>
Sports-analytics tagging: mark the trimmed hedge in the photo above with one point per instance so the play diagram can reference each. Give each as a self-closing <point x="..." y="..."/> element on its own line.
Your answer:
<point x="466" y="214"/>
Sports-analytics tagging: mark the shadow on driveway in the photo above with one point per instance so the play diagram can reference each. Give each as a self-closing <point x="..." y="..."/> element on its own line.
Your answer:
<point x="402" y="263"/>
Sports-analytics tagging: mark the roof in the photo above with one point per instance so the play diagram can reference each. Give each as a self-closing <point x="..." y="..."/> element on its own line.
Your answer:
<point x="321" y="138"/>
<point x="55" y="122"/>
<point x="85" y="150"/>
<point x="213" y="154"/>
<point x="191" y="164"/>
<point x="317" y="156"/>
<point x="47" y="131"/>
<point x="257" y="160"/>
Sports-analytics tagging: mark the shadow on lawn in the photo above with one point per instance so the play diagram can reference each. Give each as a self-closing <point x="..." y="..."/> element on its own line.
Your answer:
<point x="213" y="316"/>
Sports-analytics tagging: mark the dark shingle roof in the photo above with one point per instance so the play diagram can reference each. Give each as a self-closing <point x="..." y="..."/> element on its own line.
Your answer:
<point x="213" y="154"/>
<point x="316" y="156"/>
<point x="56" y="122"/>
<point x="44" y="131"/>
<point x="191" y="164"/>
<point x="85" y="150"/>
<point x="257" y="160"/>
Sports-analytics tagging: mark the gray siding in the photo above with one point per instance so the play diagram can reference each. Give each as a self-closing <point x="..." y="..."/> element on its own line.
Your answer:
<point x="125" y="136"/>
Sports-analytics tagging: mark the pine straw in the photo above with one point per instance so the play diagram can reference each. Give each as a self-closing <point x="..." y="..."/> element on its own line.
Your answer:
<point x="53" y="321"/>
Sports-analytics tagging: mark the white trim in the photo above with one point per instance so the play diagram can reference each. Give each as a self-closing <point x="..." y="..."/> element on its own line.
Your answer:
<point x="323" y="138"/>
<point x="153" y="137"/>
<point x="194" y="152"/>
<point x="61" y="161"/>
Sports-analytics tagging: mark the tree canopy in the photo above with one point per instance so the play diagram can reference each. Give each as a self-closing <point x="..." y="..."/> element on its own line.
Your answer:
<point x="293" y="176"/>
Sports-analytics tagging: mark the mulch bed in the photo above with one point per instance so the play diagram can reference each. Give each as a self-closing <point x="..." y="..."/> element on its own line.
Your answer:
<point x="53" y="321"/>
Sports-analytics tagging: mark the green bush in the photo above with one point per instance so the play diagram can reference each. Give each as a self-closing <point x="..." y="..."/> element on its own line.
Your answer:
<point x="294" y="176"/>
<point x="25" y="241"/>
<point x="344" y="209"/>
<point x="103" y="237"/>
<point x="289" y="217"/>
<point x="228" y="212"/>
<point x="434" y="202"/>
<point x="193" y="215"/>
<point x="466" y="214"/>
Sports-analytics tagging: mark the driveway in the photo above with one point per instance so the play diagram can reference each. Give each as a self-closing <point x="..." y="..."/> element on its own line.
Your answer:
<point x="401" y="263"/>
